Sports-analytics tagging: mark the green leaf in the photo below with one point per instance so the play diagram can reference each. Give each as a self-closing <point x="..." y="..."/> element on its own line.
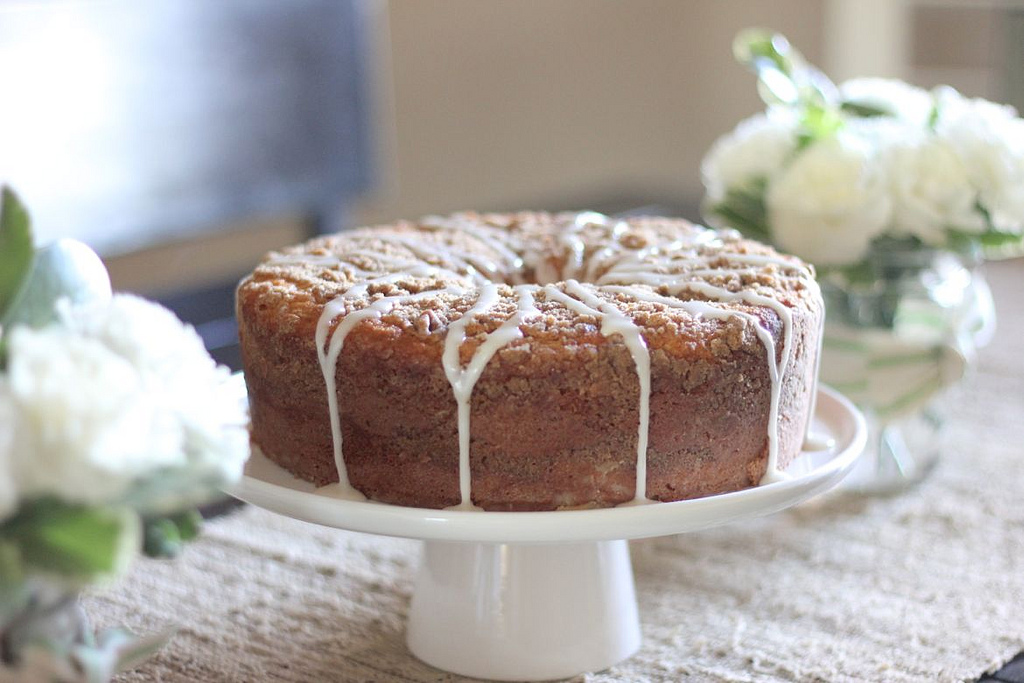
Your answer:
<point x="11" y="572"/>
<point x="744" y="209"/>
<point x="996" y="239"/>
<point x="161" y="539"/>
<point x="76" y="543"/>
<point x="758" y="49"/>
<point x="189" y="523"/>
<point x="861" y="273"/>
<point x="14" y="593"/>
<point x="16" y="253"/>
<point x="783" y="75"/>
<point x="165" y="537"/>
<point x="985" y="214"/>
<point x="774" y="61"/>
<point x="993" y="243"/>
<point x="863" y="110"/>
<point x="818" y="123"/>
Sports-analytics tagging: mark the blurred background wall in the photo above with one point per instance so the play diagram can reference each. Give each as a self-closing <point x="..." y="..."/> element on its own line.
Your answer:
<point x="577" y="103"/>
<point x="251" y="124"/>
<point x="563" y="103"/>
<point x="460" y="104"/>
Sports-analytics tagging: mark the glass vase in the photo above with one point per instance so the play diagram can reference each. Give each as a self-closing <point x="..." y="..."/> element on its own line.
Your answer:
<point x="901" y="331"/>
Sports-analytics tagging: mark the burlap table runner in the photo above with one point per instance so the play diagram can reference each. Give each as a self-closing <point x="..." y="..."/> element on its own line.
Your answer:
<point x="925" y="586"/>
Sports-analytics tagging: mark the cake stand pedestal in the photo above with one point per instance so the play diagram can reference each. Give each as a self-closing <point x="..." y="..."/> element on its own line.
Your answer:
<point x="524" y="612"/>
<point x="543" y="595"/>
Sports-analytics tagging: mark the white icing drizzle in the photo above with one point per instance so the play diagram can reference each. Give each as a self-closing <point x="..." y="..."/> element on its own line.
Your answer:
<point x="776" y="366"/>
<point x="818" y="442"/>
<point x="601" y="258"/>
<point x="475" y="264"/>
<point x="573" y="247"/>
<point x="328" y="366"/>
<point x="811" y="443"/>
<point x="644" y="269"/>
<point x="329" y="345"/>
<point x="614" y="268"/>
<point x="576" y="249"/>
<point x="495" y="239"/>
<point x="614" y="321"/>
<point x="463" y="379"/>
<point x="705" y="309"/>
<point x="572" y="241"/>
<point x="578" y="263"/>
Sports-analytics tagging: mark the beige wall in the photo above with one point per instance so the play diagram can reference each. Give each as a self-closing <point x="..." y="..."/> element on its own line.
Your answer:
<point x="501" y="104"/>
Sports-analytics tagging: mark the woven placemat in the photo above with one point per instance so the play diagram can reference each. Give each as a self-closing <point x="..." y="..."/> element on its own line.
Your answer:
<point x="924" y="586"/>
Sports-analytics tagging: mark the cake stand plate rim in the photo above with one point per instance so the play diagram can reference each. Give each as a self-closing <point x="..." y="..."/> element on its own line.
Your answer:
<point x="266" y="485"/>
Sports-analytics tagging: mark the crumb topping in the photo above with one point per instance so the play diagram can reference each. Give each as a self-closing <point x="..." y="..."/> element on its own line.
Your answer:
<point x="446" y="261"/>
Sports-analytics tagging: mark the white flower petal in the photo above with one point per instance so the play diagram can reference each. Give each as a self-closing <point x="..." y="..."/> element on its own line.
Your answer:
<point x="85" y="427"/>
<point x="931" y="191"/>
<point x="904" y="101"/>
<point x="989" y="140"/>
<point x="758" y="147"/>
<point x="172" y="361"/>
<point x="116" y="394"/>
<point x="830" y="202"/>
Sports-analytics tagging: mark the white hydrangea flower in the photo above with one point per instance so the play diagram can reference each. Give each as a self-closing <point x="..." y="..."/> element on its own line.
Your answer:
<point x="830" y="202"/>
<point x="881" y="133"/>
<point x="114" y="393"/>
<point x="84" y="426"/>
<point x="931" y="190"/>
<point x="174" y="365"/>
<point x="758" y="147"/>
<point x="906" y="102"/>
<point x="953" y="106"/>
<point x="989" y="140"/>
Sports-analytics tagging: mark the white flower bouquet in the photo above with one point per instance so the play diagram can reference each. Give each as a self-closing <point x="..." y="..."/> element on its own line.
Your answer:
<point x="114" y="424"/>
<point x="829" y="172"/>
<point x="894" y="193"/>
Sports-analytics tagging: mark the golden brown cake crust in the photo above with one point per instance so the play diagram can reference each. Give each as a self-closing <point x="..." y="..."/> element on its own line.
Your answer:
<point x="555" y="413"/>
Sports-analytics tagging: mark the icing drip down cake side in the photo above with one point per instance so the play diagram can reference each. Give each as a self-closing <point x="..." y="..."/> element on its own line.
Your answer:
<point x="531" y="361"/>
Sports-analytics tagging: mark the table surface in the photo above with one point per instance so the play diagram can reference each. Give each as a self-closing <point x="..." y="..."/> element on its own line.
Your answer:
<point x="1013" y="672"/>
<point x="924" y="586"/>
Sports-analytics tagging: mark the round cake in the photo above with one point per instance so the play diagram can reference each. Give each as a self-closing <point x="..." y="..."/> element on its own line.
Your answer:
<point x="531" y="361"/>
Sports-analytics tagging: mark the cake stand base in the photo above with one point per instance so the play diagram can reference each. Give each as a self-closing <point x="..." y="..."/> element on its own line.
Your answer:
<point x="542" y="595"/>
<point x="524" y="612"/>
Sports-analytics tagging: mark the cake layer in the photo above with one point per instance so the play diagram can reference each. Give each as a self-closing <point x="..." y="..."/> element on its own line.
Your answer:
<point x="530" y="361"/>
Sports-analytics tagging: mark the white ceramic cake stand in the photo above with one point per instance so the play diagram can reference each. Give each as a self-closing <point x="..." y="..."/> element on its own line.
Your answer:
<point x="543" y="595"/>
